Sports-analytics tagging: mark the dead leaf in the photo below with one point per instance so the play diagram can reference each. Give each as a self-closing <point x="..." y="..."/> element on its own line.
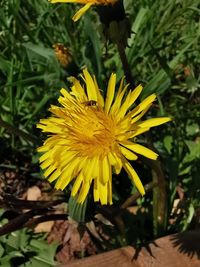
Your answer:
<point x="91" y="227"/>
<point x="33" y="193"/>
<point x="103" y="219"/>
<point x="44" y="227"/>
<point x="73" y="247"/>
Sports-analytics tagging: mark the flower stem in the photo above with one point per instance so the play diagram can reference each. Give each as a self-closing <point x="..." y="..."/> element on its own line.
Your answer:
<point x="159" y="193"/>
<point x="125" y="64"/>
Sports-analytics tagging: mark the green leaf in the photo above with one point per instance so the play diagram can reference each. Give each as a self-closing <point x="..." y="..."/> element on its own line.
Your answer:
<point x="37" y="262"/>
<point x="194" y="150"/>
<point x="46" y="252"/>
<point x="168" y="141"/>
<point x="192" y="84"/>
<point x="192" y="129"/>
<point x="4" y="66"/>
<point x="138" y="22"/>
<point x="161" y="81"/>
<point x="38" y="50"/>
<point x="92" y="47"/>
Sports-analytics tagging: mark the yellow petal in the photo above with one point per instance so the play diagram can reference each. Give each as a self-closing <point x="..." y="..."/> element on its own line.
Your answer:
<point x="96" y="168"/>
<point x="118" y="100"/>
<point x="78" y="90"/>
<point x="64" y="92"/>
<point x="139" y="149"/>
<point x="124" y="136"/>
<point x="110" y="92"/>
<point x="68" y="173"/>
<point x="54" y="175"/>
<point x="144" y="104"/>
<point x="67" y="157"/>
<point x="51" y="129"/>
<point x="46" y="163"/>
<point x="154" y="122"/>
<point x="118" y="165"/>
<point x="88" y="169"/>
<point x="45" y="155"/>
<point x="42" y="148"/>
<point x="135" y="93"/>
<point x="96" y="189"/>
<point x="115" y="161"/>
<point x="99" y="95"/>
<point x="116" y="103"/>
<point x="128" y="154"/>
<point x="130" y="99"/>
<point x="111" y="159"/>
<point x="133" y="175"/>
<point x="81" y="12"/>
<point x="90" y="86"/>
<point x="138" y="132"/>
<point x="83" y="192"/>
<point x="49" y="170"/>
<point x="51" y="141"/>
<point x="121" y="86"/>
<point x="63" y="181"/>
<point x="138" y="117"/>
<point x="103" y="193"/>
<point x="54" y="120"/>
<point x="105" y="171"/>
<point x="124" y="107"/>
<point x="77" y="184"/>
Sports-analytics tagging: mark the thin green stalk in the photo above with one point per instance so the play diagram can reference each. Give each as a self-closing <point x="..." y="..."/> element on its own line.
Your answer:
<point x="125" y="64"/>
<point x="159" y="199"/>
<point x="159" y="192"/>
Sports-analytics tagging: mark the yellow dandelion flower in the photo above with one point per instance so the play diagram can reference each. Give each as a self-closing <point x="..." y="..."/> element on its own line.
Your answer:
<point x="63" y="54"/>
<point x="91" y="136"/>
<point x="87" y="4"/>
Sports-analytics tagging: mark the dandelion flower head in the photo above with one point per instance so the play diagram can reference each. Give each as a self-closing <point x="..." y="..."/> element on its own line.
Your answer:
<point x="87" y="4"/>
<point x="90" y="137"/>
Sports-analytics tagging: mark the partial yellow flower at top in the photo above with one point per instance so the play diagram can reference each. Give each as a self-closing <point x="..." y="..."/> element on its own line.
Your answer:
<point x="87" y="4"/>
<point x="89" y="137"/>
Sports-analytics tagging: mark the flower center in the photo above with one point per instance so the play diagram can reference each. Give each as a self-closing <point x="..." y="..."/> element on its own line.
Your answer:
<point x="92" y="131"/>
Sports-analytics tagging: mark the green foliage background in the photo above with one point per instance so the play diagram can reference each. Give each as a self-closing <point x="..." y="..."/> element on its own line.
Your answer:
<point x="163" y="54"/>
